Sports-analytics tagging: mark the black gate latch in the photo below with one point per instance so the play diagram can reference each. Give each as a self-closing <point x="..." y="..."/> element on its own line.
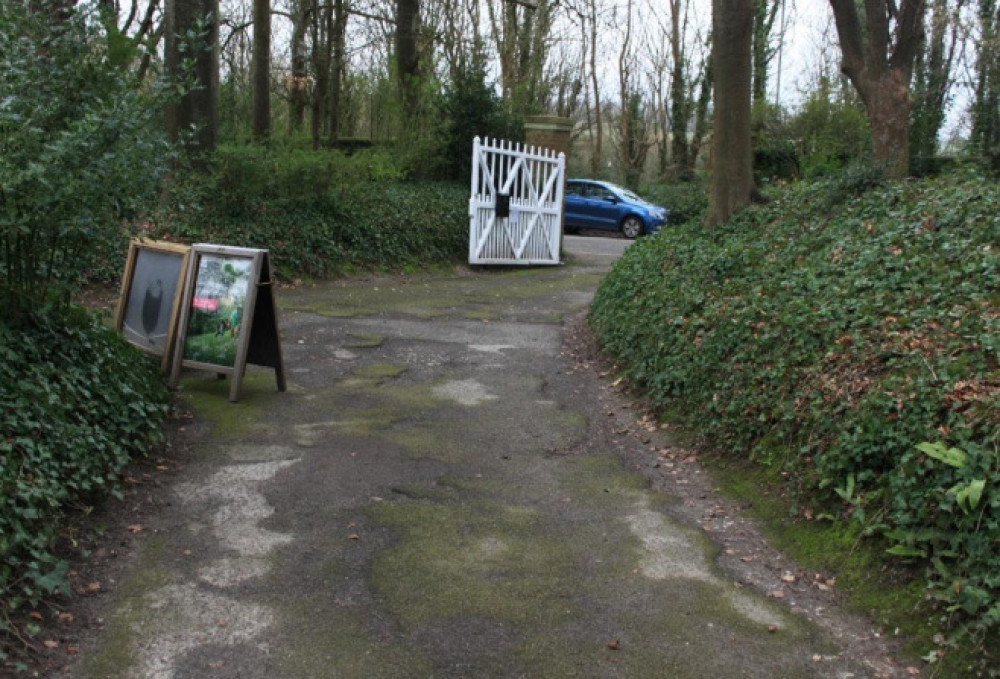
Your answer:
<point x="502" y="206"/>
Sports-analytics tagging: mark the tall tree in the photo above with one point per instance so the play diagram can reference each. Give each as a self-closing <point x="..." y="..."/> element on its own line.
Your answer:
<point x="632" y="120"/>
<point x="877" y="55"/>
<point x="297" y="82"/>
<point x="701" y="113"/>
<point x="986" y="105"/>
<point x="680" y="98"/>
<point x="732" y="185"/>
<point x="199" y="107"/>
<point x="765" y="13"/>
<point x="261" y="70"/>
<point x="932" y="80"/>
<point x="521" y="31"/>
<point x="690" y="74"/>
<point x="595" y="156"/>
<point x="319" y="28"/>
<point x="338" y="64"/>
<point x="408" y="54"/>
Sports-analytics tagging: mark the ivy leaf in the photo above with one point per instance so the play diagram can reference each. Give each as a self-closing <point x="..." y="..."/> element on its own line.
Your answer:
<point x="975" y="492"/>
<point x="950" y="456"/>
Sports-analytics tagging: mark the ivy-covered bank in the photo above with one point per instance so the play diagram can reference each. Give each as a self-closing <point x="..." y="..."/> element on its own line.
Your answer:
<point x="845" y="338"/>
<point x="76" y="405"/>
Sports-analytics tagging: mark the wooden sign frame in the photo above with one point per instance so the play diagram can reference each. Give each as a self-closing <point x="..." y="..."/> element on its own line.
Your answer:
<point x="149" y="299"/>
<point x="228" y="317"/>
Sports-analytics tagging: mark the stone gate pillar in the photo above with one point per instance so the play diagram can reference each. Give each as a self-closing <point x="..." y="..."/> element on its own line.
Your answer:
<point x="551" y="132"/>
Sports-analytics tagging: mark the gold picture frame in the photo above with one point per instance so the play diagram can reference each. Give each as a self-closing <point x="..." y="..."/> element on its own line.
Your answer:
<point x="151" y="289"/>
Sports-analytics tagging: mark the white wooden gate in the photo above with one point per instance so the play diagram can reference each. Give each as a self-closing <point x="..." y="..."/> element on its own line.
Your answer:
<point x="515" y="212"/>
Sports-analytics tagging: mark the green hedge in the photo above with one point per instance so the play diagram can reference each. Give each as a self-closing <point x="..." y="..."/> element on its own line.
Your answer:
<point x="828" y="334"/>
<point x="76" y="404"/>
<point x="320" y="213"/>
<point x="687" y="201"/>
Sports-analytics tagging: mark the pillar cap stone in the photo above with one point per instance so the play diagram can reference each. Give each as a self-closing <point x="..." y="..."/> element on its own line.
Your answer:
<point x="545" y="123"/>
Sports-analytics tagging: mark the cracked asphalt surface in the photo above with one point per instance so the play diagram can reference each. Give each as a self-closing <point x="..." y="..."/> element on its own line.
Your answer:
<point x="450" y="487"/>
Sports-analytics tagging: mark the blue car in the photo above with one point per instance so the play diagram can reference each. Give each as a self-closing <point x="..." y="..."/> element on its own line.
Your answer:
<point x="592" y="204"/>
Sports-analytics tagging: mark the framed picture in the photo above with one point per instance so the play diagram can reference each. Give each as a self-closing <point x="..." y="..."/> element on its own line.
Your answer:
<point x="222" y="327"/>
<point x="150" y="296"/>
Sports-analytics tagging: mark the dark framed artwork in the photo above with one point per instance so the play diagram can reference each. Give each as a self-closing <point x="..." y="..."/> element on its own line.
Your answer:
<point x="221" y="328"/>
<point x="149" y="300"/>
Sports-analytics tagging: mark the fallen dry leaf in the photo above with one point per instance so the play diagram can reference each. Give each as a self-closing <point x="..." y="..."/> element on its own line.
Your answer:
<point x="66" y="617"/>
<point x="776" y="594"/>
<point x="217" y="665"/>
<point x="134" y="528"/>
<point x="772" y="628"/>
<point x="912" y="671"/>
<point x="353" y="536"/>
<point x="614" y="645"/>
<point x="35" y="615"/>
<point x="72" y="650"/>
<point x="162" y="468"/>
<point x="788" y="577"/>
<point x="50" y="643"/>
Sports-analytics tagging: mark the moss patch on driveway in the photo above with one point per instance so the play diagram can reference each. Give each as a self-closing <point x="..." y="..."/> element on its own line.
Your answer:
<point x="480" y="560"/>
<point x="480" y="297"/>
<point x="209" y="397"/>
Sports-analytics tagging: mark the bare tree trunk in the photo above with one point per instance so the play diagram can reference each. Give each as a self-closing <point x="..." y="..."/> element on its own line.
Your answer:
<point x="407" y="55"/>
<point x="932" y="81"/>
<point x="299" y="76"/>
<point x="521" y="36"/>
<point x="765" y="14"/>
<point x="595" y="158"/>
<point x="261" y="69"/>
<point x="985" y="136"/>
<point x="199" y="108"/>
<point x="732" y="152"/>
<point x="700" y="117"/>
<point x="880" y="71"/>
<point x="338" y="38"/>
<point x="680" y="109"/>
<point x="147" y="57"/>
<point x="321" y="69"/>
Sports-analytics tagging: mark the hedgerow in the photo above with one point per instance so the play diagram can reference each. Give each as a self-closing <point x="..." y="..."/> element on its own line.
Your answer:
<point x="319" y="212"/>
<point x="76" y="404"/>
<point x="847" y="335"/>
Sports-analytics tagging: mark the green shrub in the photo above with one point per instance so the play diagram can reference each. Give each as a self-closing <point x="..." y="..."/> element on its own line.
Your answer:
<point x="75" y="167"/>
<point x="827" y="339"/>
<point x="830" y="130"/>
<point x="687" y="201"/>
<point x="76" y="404"/>
<point x="320" y="212"/>
<point x="470" y="107"/>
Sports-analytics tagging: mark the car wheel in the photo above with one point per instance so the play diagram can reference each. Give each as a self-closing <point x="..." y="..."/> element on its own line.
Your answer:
<point x="632" y="227"/>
